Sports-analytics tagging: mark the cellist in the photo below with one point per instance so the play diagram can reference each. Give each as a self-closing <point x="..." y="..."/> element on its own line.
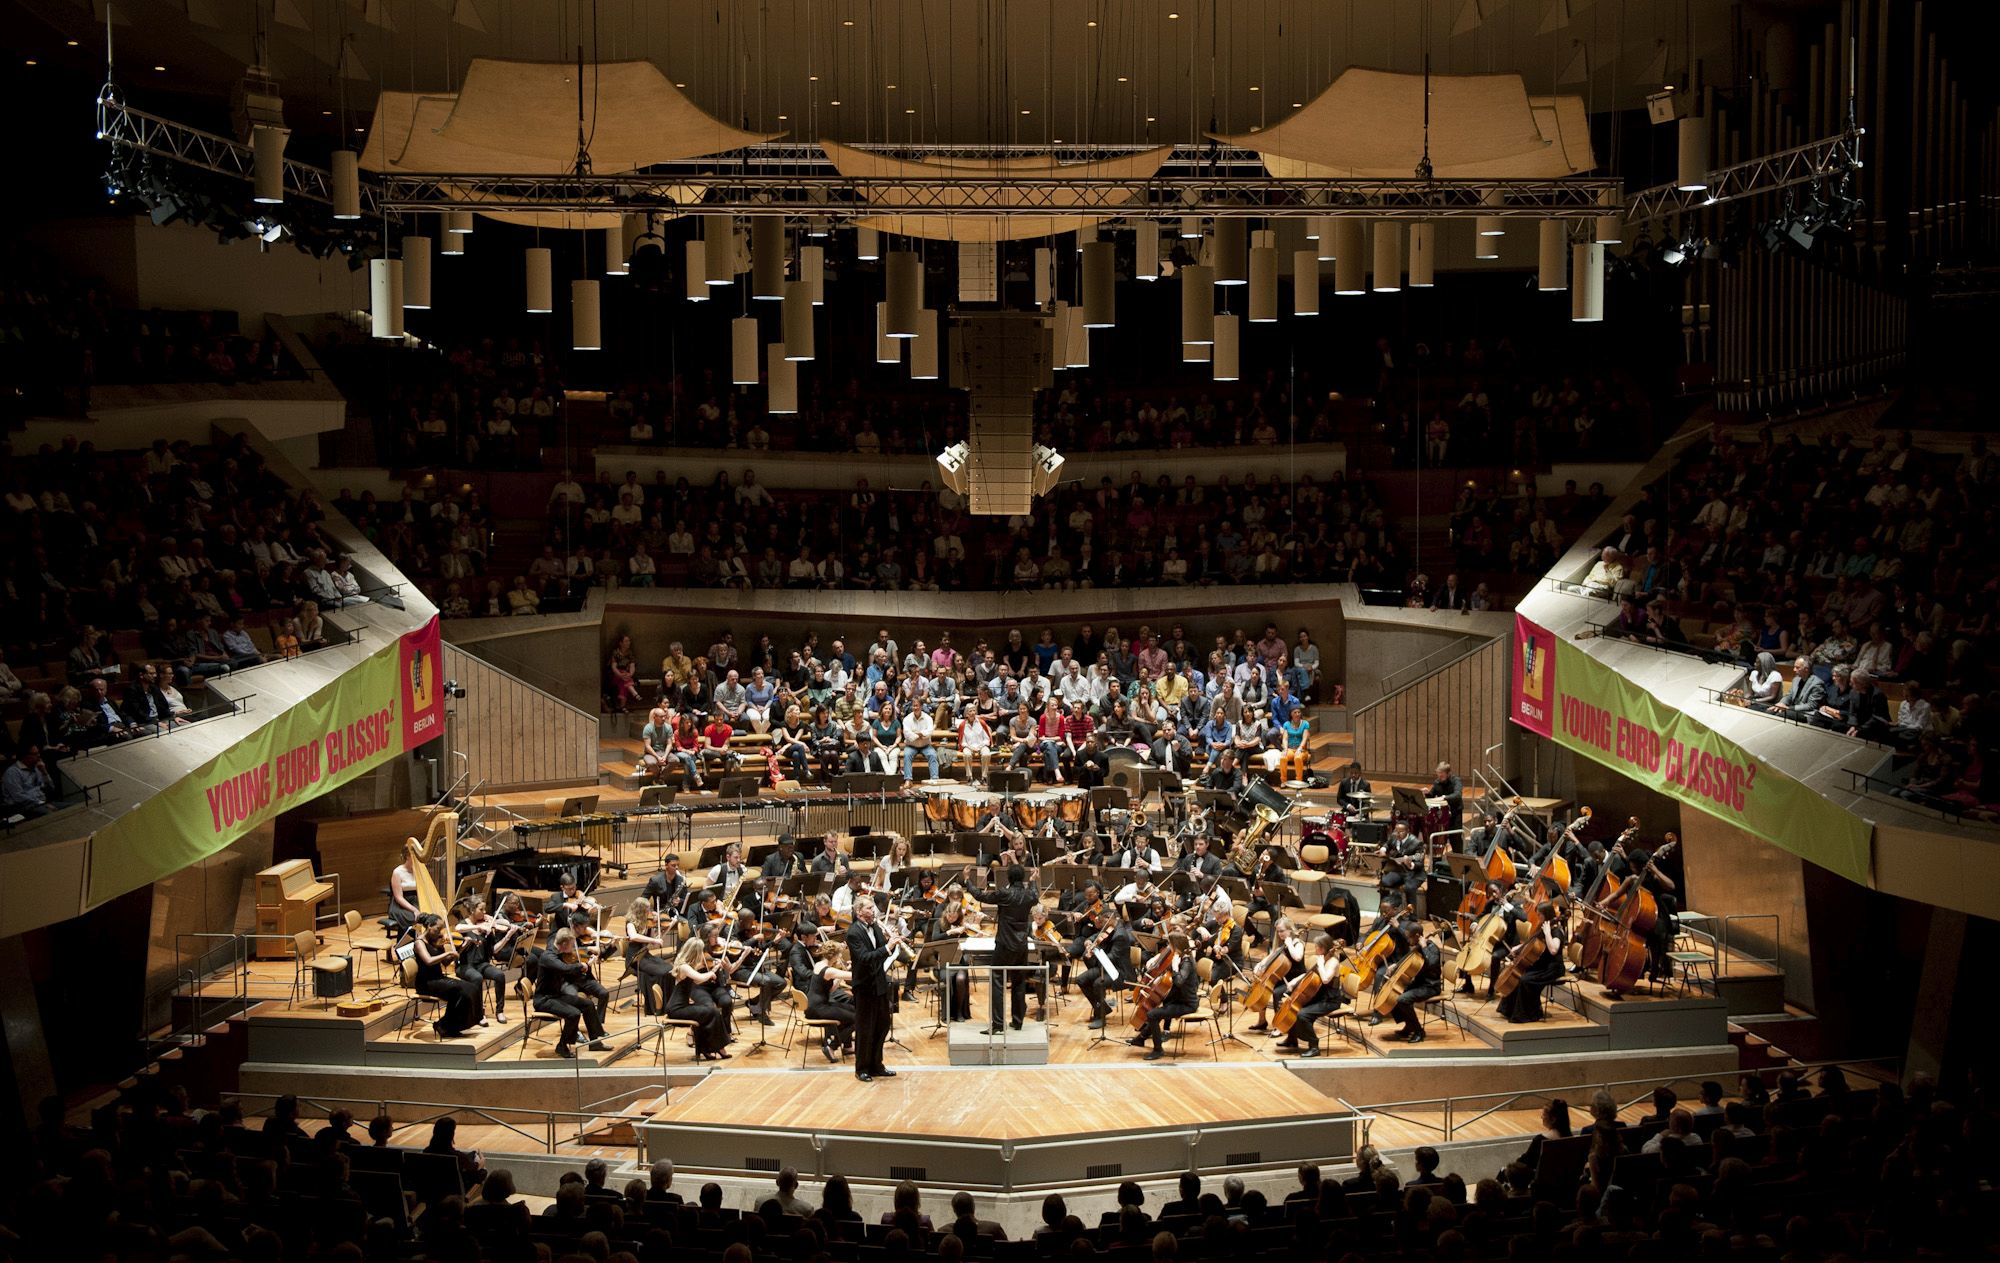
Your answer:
<point x="1285" y="941"/>
<point x="1330" y="998"/>
<point x="1429" y="981"/>
<point x="1174" y="961"/>
<point x="1524" y="1002"/>
<point x="1624" y="862"/>
<point x="1512" y="910"/>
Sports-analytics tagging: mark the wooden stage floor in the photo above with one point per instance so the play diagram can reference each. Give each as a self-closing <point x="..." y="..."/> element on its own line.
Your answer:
<point x="998" y="1103"/>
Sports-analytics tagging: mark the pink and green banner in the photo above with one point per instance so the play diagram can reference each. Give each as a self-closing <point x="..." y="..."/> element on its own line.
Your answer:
<point x="388" y="703"/>
<point x="1576" y="701"/>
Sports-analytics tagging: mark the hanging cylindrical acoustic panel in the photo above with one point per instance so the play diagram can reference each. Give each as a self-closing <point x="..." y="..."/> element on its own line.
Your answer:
<point x="888" y="350"/>
<point x="1693" y="164"/>
<point x="1263" y="307"/>
<point x="1610" y="226"/>
<point x="539" y="269"/>
<point x="1059" y="317"/>
<point x="697" y="271"/>
<point x="449" y="242"/>
<point x="1328" y="232"/>
<point x="1423" y="255"/>
<point x="1488" y="229"/>
<point x="812" y="270"/>
<point x="1350" y="264"/>
<point x="1100" y="289"/>
<point x="1305" y="282"/>
<point x="1197" y="304"/>
<point x="385" y="297"/>
<point x="905" y="293"/>
<point x="1190" y="227"/>
<point x="798" y="320"/>
<point x="1146" y="250"/>
<point x="1084" y="236"/>
<point x="1228" y="335"/>
<point x="614" y="250"/>
<point x="743" y="349"/>
<point x="784" y="379"/>
<point x="1230" y="254"/>
<point x="1314" y="223"/>
<point x="767" y="258"/>
<point x="1045" y="276"/>
<point x="459" y="222"/>
<point x="1551" y="271"/>
<point x="267" y="147"/>
<point x="1586" y="287"/>
<point x="586" y="319"/>
<point x="718" y="244"/>
<point x="1388" y="257"/>
<point x="867" y="244"/>
<point x="417" y="273"/>
<point x="924" y="347"/>
<point x="1197" y="352"/>
<point x="346" y="184"/>
<point x="1078" y="352"/>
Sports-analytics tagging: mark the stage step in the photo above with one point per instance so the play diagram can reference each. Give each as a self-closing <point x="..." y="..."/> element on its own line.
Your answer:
<point x="1563" y="1031"/>
<point x="971" y="1044"/>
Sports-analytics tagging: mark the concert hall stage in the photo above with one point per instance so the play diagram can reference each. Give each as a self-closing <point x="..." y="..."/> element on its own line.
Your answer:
<point x="1009" y="1129"/>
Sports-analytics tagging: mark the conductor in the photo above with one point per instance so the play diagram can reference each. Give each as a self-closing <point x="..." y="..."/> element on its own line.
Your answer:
<point x="1013" y="907"/>
<point x="868" y="949"/>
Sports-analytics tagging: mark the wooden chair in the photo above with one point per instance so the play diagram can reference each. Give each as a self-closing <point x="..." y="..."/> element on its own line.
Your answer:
<point x="1205" y="1013"/>
<point x="308" y="959"/>
<point x="533" y="1018"/>
<point x="376" y="945"/>
<point x="801" y="1024"/>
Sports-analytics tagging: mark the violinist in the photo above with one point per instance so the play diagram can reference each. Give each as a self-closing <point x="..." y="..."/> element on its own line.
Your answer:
<point x="1329" y="999"/>
<point x="921" y="896"/>
<point x="646" y="955"/>
<point x="463" y="1008"/>
<point x="804" y="956"/>
<point x="1173" y="961"/>
<point x="1154" y="918"/>
<point x="829" y="998"/>
<point x="483" y="938"/>
<point x="1429" y="981"/>
<point x="564" y="987"/>
<point x="853" y="891"/>
<point x="1524" y="1002"/>
<point x="1043" y="935"/>
<point x="514" y="913"/>
<point x="1285" y="941"/>
<point x="1222" y="942"/>
<point x="749" y="964"/>
<point x="692" y="1000"/>
<point x="1104" y="945"/>
<point x="1138" y="851"/>
<point x="830" y="860"/>
<point x="667" y="888"/>
<point x="707" y="910"/>
<point x="570" y="907"/>
<point x="1135" y="895"/>
<point x="724" y="876"/>
<point x="952" y="922"/>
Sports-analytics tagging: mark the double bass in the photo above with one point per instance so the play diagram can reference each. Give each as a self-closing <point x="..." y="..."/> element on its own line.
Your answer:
<point x="1626" y="918"/>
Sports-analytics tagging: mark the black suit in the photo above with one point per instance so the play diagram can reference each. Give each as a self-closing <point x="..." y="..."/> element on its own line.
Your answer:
<point x="1093" y="981"/>
<point x="1014" y="907"/>
<point x="1355" y="793"/>
<point x="1452" y="790"/>
<point x="872" y="989"/>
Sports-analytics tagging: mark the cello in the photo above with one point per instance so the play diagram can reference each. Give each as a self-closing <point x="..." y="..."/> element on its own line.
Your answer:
<point x="1297" y="998"/>
<point x="1265" y="981"/>
<point x="1360" y="968"/>
<point x="1476" y="956"/>
<point x="1397" y="977"/>
<point x="1510" y="977"/>
<point x="1152" y="989"/>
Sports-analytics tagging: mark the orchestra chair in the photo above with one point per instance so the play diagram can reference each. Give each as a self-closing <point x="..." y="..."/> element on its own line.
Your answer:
<point x="801" y="1025"/>
<point x="376" y="945"/>
<point x="1314" y="855"/>
<point x="1206" y="1009"/>
<point x="308" y="959"/>
<point x="657" y="1036"/>
<point x="533" y="1019"/>
<point x="414" y="1000"/>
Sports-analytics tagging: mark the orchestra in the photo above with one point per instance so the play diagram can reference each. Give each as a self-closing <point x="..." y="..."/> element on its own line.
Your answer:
<point x="1146" y="919"/>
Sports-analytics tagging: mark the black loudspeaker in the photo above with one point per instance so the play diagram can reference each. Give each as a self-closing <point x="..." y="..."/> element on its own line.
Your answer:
<point x="1369" y="832"/>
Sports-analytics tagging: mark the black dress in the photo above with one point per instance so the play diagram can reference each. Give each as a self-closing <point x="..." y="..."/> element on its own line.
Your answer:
<point x="690" y="1002"/>
<point x="822" y="1007"/>
<point x="1524" y="1002"/>
<point x="462" y="1009"/>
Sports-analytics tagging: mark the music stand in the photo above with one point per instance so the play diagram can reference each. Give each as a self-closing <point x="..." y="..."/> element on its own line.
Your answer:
<point x="656" y="796"/>
<point x="1466" y="868"/>
<point x="732" y="786"/>
<point x="1406" y="801"/>
<point x="1007" y="781"/>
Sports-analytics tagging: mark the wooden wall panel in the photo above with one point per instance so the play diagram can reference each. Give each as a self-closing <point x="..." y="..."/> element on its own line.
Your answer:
<point x="1454" y="714"/>
<point x="515" y="735"/>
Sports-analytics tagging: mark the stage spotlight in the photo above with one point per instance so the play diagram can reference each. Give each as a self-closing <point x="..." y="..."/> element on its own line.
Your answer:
<point x="1671" y="253"/>
<point x="951" y="466"/>
<point x="1802" y="231"/>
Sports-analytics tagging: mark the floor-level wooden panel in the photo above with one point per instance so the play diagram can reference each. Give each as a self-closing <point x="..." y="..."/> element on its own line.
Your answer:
<point x="1013" y="1102"/>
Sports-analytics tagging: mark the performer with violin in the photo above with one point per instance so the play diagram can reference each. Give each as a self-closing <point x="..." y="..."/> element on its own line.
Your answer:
<point x="695" y="975"/>
<point x="1328" y="999"/>
<point x="1173" y="966"/>
<point x="1216" y="931"/>
<point x="570" y="907"/>
<point x="646" y="955"/>
<point x="953" y="922"/>
<point x="1104" y="945"/>
<point x="1533" y="970"/>
<point x="1135" y="895"/>
<point x="463" y="1008"/>
<point x="482" y="938"/>
<point x="565" y="988"/>
<point x="830" y="999"/>
<point x="1428" y="983"/>
<point x="514" y="913"/>
<point x="1273" y="976"/>
<point x="1014" y="906"/>
<point x="747" y="950"/>
<point x="870" y="950"/>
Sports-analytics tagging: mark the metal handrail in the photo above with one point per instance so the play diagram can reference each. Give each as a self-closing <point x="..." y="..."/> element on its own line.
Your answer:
<point x="1471" y="643"/>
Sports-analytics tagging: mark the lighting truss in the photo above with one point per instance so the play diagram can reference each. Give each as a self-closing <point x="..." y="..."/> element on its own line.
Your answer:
<point x="133" y="130"/>
<point x="1816" y="161"/>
